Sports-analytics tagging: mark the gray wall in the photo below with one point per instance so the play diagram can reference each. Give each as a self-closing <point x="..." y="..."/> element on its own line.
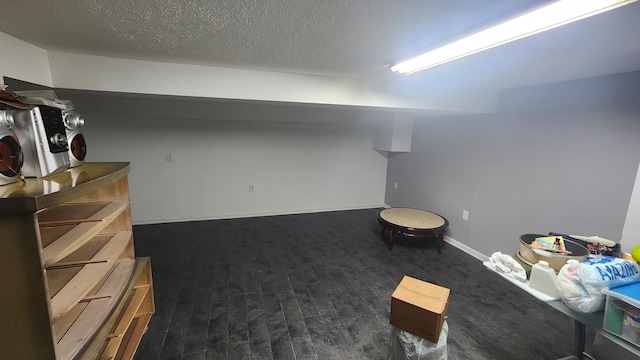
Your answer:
<point x="296" y="158"/>
<point x="560" y="157"/>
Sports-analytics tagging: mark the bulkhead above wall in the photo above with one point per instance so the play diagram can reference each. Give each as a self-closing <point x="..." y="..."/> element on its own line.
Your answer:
<point x="394" y="134"/>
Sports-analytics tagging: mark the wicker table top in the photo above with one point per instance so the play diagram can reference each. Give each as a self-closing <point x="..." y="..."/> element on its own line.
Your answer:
<point x="412" y="218"/>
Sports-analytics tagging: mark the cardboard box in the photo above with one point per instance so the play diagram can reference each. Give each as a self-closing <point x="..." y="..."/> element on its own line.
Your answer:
<point x="419" y="308"/>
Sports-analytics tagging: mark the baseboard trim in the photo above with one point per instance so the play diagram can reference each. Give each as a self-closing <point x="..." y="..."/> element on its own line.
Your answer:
<point x="250" y="215"/>
<point x="475" y="253"/>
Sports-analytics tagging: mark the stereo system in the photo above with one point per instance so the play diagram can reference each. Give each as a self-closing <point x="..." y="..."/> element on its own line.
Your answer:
<point x="77" y="145"/>
<point x="40" y="135"/>
<point x="39" y="141"/>
<point x="10" y="150"/>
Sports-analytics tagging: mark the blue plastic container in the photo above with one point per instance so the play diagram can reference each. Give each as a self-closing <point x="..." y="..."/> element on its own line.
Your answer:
<point x="622" y="311"/>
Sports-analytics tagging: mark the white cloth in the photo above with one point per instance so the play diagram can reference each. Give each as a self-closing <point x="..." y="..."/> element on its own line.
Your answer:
<point x="595" y="239"/>
<point x="507" y="265"/>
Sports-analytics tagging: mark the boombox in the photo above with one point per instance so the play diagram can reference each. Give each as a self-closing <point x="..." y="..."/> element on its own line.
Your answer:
<point x="10" y="150"/>
<point x="42" y="135"/>
<point x="77" y="145"/>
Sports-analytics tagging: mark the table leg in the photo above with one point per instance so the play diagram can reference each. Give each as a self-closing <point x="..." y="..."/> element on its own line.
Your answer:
<point x="390" y="245"/>
<point x="579" y="332"/>
<point x="440" y="241"/>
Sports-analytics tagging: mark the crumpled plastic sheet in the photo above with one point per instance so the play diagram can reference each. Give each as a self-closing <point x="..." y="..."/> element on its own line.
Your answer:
<point x="406" y="346"/>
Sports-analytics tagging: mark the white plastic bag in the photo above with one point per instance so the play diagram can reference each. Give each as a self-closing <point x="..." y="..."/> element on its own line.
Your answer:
<point x="405" y="346"/>
<point x="580" y="283"/>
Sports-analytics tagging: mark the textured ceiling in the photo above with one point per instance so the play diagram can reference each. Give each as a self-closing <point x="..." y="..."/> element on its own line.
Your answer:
<point x="348" y="38"/>
<point x="352" y="38"/>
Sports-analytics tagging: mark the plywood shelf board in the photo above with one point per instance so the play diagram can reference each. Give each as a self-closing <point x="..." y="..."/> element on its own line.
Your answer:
<point x="58" y="278"/>
<point x="60" y="273"/>
<point x="96" y="311"/>
<point x="124" y="340"/>
<point x="65" y="322"/>
<point x="116" y="338"/>
<point x="128" y="338"/>
<point x="82" y="233"/>
<point x="68" y="213"/>
<point x="95" y="349"/>
<point x="88" y="252"/>
<point x="72" y="264"/>
<point x="133" y="336"/>
<point x="89" y="275"/>
<point x="49" y="234"/>
<point x="78" y="287"/>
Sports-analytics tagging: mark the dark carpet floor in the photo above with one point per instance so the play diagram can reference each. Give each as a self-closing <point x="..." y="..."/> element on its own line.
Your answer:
<point x="318" y="286"/>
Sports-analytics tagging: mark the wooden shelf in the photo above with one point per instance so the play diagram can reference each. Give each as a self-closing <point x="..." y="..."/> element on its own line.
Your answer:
<point x="104" y="346"/>
<point x="72" y="287"/>
<point x="79" y="326"/>
<point x="82" y="228"/>
<point x="89" y="273"/>
<point x="133" y="322"/>
<point x="36" y="194"/>
<point x="132" y="337"/>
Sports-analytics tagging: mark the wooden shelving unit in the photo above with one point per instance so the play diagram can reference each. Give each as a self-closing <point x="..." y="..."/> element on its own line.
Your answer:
<point x="72" y="287"/>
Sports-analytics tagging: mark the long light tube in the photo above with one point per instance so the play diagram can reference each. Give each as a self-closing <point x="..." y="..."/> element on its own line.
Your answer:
<point x="544" y="18"/>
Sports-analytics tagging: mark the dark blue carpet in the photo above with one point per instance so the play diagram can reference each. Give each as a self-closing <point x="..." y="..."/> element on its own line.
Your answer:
<point x="318" y="286"/>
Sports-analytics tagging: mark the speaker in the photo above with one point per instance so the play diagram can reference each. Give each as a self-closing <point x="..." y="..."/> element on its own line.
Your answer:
<point x="77" y="144"/>
<point x="42" y="135"/>
<point x="10" y="150"/>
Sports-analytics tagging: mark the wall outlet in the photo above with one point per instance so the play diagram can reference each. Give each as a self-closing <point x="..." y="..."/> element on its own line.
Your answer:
<point x="395" y="185"/>
<point x="250" y="188"/>
<point x="465" y="215"/>
<point x="168" y="157"/>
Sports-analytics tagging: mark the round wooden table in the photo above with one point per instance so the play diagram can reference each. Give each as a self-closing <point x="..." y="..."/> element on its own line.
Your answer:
<point x="412" y="222"/>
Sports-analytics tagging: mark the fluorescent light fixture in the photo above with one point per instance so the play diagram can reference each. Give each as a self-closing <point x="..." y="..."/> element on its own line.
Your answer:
<point x="544" y="18"/>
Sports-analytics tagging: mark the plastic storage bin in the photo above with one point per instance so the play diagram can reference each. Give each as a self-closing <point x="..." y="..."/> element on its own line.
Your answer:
<point x="622" y="311"/>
